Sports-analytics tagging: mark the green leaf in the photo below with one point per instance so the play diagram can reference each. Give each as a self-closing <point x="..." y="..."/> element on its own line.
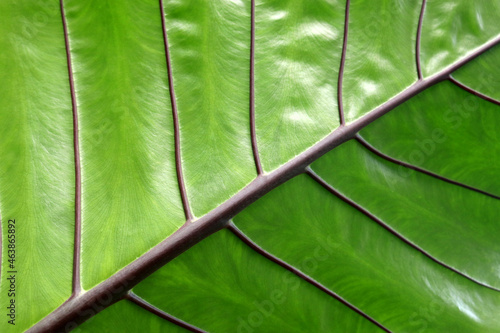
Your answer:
<point x="127" y="317"/>
<point x="210" y="52"/>
<point x="36" y="163"/>
<point x="482" y="75"/>
<point x="452" y="29"/>
<point x="380" y="59"/>
<point x="338" y="246"/>
<point x="247" y="288"/>
<point x="126" y="137"/>
<point x="133" y="130"/>
<point x="297" y="54"/>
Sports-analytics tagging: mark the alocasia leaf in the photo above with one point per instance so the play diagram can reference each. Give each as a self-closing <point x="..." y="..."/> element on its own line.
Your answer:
<point x="132" y="130"/>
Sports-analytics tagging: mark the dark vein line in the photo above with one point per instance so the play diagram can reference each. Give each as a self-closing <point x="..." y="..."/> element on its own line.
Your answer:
<point x="190" y="234"/>
<point x="474" y="92"/>
<point x="254" y="246"/>
<point x="419" y="35"/>
<point x="253" y="133"/>
<point x="178" y="162"/>
<point x="162" y="314"/>
<point x="352" y="203"/>
<point x="78" y="181"/>
<point x="342" y="64"/>
<point x="377" y="152"/>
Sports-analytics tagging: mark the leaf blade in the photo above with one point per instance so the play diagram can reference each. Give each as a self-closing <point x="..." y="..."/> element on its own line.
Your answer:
<point x="126" y="134"/>
<point x="36" y="169"/>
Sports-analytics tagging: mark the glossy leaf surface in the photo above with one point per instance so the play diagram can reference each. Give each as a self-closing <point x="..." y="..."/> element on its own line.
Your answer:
<point x="451" y="29"/>
<point x="380" y="59"/>
<point x="210" y="53"/>
<point x="298" y="50"/>
<point x="36" y="169"/>
<point x="132" y="130"/>
<point x="126" y="134"/>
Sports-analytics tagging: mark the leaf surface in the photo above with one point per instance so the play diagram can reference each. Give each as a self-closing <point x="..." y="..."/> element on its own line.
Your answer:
<point x="127" y="317"/>
<point x="380" y="58"/>
<point x="36" y="163"/>
<point x="297" y="56"/>
<point x="136" y="129"/>
<point x="130" y="196"/>
<point x="210" y="52"/>
<point x="482" y="75"/>
<point x="452" y="29"/>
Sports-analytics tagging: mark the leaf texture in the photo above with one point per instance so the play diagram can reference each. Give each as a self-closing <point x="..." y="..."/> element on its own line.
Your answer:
<point x="482" y="75"/>
<point x="380" y="55"/>
<point x="133" y="130"/>
<point x="210" y="52"/>
<point x="125" y="316"/>
<point x="36" y="169"/>
<point x="130" y="195"/>
<point x="453" y="29"/>
<point x="297" y="56"/>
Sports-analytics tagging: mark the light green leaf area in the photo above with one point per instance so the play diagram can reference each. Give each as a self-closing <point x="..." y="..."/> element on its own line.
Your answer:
<point x="36" y="163"/>
<point x="130" y="196"/>
<point x="380" y="58"/>
<point x="297" y="58"/>
<point x="417" y="254"/>
<point x="453" y="29"/>
<point x="210" y="52"/>
<point x="128" y="317"/>
<point x="482" y="74"/>
<point x="233" y="289"/>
